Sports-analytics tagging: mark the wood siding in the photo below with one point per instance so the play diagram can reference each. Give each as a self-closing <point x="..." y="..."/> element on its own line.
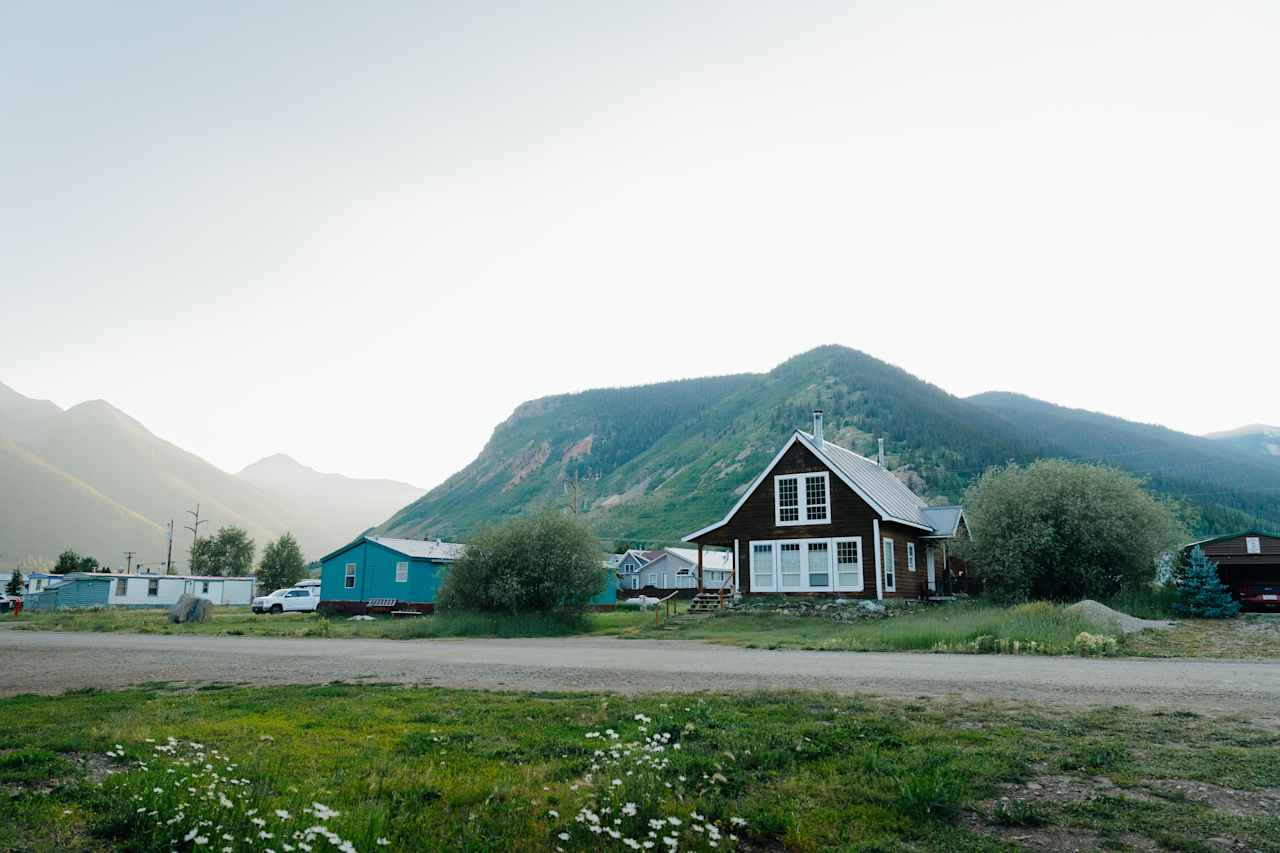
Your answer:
<point x="1238" y="568"/>
<point x="850" y="516"/>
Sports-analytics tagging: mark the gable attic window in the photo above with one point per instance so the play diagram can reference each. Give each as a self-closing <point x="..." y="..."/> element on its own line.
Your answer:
<point x="349" y="579"/>
<point x="402" y="572"/>
<point x="802" y="499"/>
<point x="1253" y="545"/>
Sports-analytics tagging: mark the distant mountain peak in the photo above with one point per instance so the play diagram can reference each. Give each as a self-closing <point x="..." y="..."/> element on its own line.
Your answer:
<point x="1247" y="430"/>
<point x="276" y="462"/>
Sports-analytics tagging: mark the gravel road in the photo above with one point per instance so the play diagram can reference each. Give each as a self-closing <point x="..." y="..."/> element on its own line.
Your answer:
<point x="51" y="662"/>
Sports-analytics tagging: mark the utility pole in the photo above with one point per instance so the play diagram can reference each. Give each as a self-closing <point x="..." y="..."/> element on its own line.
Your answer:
<point x="194" y="527"/>
<point x="128" y="567"/>
<point x="168" y="561"/>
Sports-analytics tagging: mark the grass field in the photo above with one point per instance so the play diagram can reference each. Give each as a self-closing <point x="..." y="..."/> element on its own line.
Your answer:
<point x="1039" y="628"/>
<point x="455" y="770"/>
<point x="960" y="627"/>
<point x="240" y="621"/>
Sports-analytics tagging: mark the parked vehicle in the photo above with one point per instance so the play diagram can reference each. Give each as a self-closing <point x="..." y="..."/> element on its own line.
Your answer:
<point x="290" y="600"/>
<point x="6" y="603"/>
<point x="1261" y="596"/>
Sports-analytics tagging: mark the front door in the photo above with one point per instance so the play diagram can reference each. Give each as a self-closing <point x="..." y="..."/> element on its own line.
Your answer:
<point x="928" y="562"/>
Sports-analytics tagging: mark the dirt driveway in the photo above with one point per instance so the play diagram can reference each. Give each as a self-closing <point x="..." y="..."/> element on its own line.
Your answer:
<point x="50" y="662"/>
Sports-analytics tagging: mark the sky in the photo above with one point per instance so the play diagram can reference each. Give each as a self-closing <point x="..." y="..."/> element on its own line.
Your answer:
<point x="362" y="234"/>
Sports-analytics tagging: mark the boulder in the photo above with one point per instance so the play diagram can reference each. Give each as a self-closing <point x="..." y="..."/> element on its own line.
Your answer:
<point x="190" y="608"/>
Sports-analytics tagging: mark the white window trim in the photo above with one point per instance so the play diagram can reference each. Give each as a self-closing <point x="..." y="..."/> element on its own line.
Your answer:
<point x="833" y="574"/>
<point x="751" y="568"/>
<point x="890" y="570"/>
<point x="802" y="498"/>
<point x="349" y="576"/>
<point x="835" y="566"/>
<point x="402" y="571"/>
<point x="911" y="556"/>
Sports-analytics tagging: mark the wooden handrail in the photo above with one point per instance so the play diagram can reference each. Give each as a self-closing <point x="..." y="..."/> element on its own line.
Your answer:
<point x="666" y="608"/>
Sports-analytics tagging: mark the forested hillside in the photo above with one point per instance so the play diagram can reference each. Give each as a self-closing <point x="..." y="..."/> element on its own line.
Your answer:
<point x="659" y="461"/>
<point x="1230" y="486"/>
<point x="654" y="463"/>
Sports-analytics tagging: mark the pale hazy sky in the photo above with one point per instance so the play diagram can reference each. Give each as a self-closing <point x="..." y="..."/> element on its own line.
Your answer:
<point x="362" y="236"/>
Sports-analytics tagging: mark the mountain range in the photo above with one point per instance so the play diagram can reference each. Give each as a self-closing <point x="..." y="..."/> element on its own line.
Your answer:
<point x="644" y="464"/>
<point x="651" y="463"/>
<point x="93" y="479"/>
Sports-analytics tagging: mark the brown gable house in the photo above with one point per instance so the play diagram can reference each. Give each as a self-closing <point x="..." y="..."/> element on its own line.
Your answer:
<point x="1249" y="565"/>
<point x="820" y="519"/>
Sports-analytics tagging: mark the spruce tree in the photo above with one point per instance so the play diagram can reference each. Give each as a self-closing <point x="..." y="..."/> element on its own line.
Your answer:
<point x="1202" y="593"/>
<point x="14" y="586"/>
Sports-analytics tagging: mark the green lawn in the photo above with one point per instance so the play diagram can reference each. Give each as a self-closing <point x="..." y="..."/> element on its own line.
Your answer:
<point x="238" y="621"/>
<point x="965" y="627"/>
<point x="457" y="770"/>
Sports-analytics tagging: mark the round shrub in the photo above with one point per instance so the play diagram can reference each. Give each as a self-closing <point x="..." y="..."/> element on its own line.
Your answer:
<point x="532" y="563"/>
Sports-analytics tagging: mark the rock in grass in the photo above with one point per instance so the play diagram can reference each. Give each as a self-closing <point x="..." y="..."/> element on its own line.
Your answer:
<point x="190" y="608"/>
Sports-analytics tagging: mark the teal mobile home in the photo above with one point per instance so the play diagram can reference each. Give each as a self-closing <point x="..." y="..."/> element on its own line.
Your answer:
<point x="379" y="574"/>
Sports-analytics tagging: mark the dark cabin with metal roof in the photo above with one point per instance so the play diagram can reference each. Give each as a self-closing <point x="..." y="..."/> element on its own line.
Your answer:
<point x="820" y="519"/>
<point x="1248" y="564"/>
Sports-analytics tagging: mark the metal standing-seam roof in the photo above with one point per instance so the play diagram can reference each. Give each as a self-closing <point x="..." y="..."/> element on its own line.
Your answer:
<point x="886" y="491"/>
<point x="430" y="549"/>
<point x="886" y="494"/>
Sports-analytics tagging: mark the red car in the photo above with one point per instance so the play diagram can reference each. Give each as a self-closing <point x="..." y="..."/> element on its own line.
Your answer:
<point x="1261" y="596"/>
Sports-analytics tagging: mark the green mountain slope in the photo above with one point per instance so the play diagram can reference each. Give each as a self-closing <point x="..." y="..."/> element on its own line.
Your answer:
<point x="659" y="461"/>
<point x="656" y="462"/>
<point x="1232" y="486"/>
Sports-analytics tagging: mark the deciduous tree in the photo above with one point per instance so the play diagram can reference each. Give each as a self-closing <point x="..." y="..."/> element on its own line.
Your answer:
<point x="1064" y="530"/>
<point x="532" y="563"/>
<point x="282" y="564"/>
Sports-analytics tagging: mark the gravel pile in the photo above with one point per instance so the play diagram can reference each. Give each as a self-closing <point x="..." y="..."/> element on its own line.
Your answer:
<point x="1098" y="612"/>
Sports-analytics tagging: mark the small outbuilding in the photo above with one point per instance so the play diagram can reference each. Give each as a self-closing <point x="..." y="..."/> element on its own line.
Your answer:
<point x="1249" y="565"/>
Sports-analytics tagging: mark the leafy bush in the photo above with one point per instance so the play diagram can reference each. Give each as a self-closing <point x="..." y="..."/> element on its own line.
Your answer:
<point x="1201" y="593"/>
<point x="1096" y="645"/>
<point x="1061" y="531"/>
<point x="532" y="563"/>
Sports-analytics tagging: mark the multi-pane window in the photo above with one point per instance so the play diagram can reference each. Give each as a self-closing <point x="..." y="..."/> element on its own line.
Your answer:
<point x="788" y="499"/>
<point x="802" y="499"/>
<point x="122" y="586"/>
<point x="1253" y="545"/>
<point x="911" y="556"/>
<point x="848" y="565"/>
<point x="762" y="566"/>
<point x="890" y="571"/>
<point x="349" y="579"/>
<point x="819" y="564"/>
<point x="815" y="497"/>
<point x="402" y="572"/>
<point x="789" y="563"/>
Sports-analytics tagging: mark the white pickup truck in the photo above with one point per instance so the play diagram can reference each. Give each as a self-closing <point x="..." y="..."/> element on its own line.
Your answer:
<point x="290" y="600"/>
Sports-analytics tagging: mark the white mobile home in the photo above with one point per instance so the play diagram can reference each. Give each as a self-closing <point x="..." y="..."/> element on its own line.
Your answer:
<point x="163" y="590"/>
